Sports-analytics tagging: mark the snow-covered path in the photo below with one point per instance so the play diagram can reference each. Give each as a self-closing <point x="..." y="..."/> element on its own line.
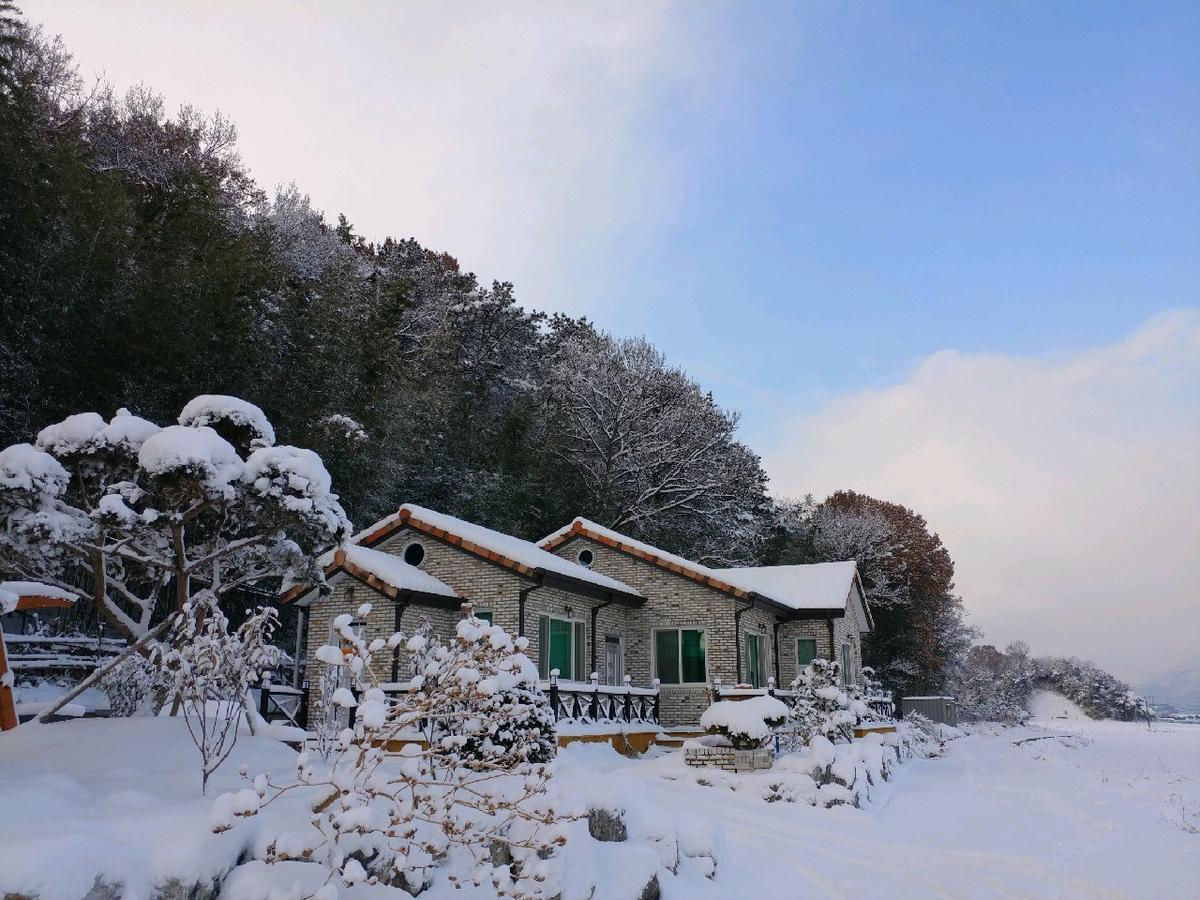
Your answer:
<point x="1099" y="813"/>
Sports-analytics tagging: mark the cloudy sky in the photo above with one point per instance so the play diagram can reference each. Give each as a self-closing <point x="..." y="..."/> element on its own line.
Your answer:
<point x="944" y="254"/>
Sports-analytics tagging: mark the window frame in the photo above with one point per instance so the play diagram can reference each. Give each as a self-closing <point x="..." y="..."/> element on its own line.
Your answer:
<point x="679" y="629"/>
<point x="760" y="659"/>
<point x="815" y="653"/>
<point x="579" y="657"/>
<point x="404" y="553"/>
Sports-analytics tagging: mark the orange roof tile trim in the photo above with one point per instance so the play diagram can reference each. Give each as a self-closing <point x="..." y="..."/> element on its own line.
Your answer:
<point x="578" y="529"/>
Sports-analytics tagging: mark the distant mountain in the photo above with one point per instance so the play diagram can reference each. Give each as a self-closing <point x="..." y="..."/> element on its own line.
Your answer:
<point x="1180" y="689"/>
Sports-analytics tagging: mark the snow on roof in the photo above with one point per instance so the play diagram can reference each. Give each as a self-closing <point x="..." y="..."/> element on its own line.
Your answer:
<point x="11" y="593"/>
<point x="391" y="569"/>
<point x="209" y="408"/>
<point x="625" y="539"/>
<point x="812" y="586"/>
<point x="519" y="551"/>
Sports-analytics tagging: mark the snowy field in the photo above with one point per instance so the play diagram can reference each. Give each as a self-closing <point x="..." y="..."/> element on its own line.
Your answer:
<point x="1106" y="810"/>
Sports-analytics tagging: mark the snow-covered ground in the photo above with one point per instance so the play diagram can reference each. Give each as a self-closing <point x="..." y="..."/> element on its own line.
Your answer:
<point x="1046" y="706"/>
<point x="1106" y="810"/>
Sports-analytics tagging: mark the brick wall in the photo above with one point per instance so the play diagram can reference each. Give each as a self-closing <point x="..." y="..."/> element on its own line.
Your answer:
<point x="487" y="585"/>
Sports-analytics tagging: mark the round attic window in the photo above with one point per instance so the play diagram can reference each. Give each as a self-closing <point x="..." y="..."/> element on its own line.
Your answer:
<point x="414" y="554"/>
<point x="584" y="557"/>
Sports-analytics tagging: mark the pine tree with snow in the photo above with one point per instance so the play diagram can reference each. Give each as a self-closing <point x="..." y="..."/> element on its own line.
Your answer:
<point x="140" y="514"/>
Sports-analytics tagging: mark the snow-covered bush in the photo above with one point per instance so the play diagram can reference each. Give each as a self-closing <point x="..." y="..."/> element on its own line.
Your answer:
<point x="823" y="707"/>
<point x="142" y="512"/>
<point x="128" y="686"/>
<point x="208" y="671"/>
<point x="746" y="724"/>
<point x="466" y="792"/>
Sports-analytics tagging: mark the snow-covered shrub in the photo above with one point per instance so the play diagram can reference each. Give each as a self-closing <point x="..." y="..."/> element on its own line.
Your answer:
<point x="746" y="724"/>
<point x="466" y="793"/>
<point x="128" y="686"/>
<point x="823" y="707"/>
<point x="208" y="671"/>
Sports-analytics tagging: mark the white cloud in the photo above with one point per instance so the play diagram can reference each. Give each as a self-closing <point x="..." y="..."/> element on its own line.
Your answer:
<point x="515" y="136"/>
<point x="1067" y="489"/>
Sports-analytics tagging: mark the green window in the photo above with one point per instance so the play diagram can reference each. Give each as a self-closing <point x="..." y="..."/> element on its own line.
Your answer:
<point x="806" y="651"/>
<point x="485" y="615"/>
<point x="679" y="656"/>
<point x="562" y="645"/>
<point x="754" y="660"/>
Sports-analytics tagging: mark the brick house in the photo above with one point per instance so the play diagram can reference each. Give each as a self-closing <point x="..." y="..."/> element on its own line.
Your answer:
<point x="591" y="600"/>
<point x="419" y="565"/>
<point x="741" y="625"/>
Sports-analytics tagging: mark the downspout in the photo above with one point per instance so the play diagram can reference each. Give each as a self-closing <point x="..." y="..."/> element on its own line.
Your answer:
<point x="832" y="649"/>
<point x="775" y="648"/>
<point x="301" y="643"/>
<point x="521" y="595"/>
<point x="595" y="616"/>
<point x="401" y="606"/>
<point x="737" y="638"/>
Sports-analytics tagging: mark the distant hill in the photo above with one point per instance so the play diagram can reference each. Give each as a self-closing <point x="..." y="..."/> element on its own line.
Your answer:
<point x="1180" y="689"/>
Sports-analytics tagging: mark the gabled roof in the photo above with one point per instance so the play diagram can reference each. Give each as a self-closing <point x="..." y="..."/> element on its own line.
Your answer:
<point x="677" y="564"/>
<point x="810" y="586"/>
<point x="512" y="553"/>
<point x="819" y="589"/>
<point x="389" y="575"/>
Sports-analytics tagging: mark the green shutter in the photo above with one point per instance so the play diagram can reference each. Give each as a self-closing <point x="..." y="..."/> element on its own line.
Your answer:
<point x="846" y="664"/>
<point x="666" y="656"/>
<point x="692" y="641"/>
<point x="806" y="651"/>
<point x="581" y="673"/>
<point x="543" y="647"/>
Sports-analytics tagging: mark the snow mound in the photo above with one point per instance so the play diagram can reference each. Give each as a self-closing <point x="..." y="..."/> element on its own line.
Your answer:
<point x="74" y="434"/>
<point x="201" y="451"/>
<point x="1045" y="705"/>
<point x="208" y="409"/>
<point x="23" y="467"/>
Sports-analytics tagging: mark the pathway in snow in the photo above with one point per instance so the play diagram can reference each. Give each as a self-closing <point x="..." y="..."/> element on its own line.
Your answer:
<point x="1088" y="815"/>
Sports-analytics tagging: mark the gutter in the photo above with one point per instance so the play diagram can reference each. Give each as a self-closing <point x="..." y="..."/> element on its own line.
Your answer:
<point x="775" y="647"/>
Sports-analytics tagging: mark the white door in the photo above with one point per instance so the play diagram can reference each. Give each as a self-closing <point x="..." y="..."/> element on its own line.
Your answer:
<point x="614" y="660"/>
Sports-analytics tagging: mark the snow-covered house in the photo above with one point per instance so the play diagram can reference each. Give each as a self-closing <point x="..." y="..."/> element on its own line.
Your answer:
<point x="742" y="625"/>
<point x="591" y="600"/>
<point x="418" y="564"/>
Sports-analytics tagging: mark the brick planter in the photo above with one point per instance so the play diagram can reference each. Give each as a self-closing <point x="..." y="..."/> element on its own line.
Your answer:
<point x="729" y="759"/>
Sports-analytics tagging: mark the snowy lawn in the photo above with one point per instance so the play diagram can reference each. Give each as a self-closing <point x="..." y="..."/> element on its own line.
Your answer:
<point x="1101" y="812"/>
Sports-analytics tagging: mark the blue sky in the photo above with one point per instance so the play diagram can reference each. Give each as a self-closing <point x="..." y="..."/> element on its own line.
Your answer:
<point x="884" y="182"/>
<point x="948" y="254"/>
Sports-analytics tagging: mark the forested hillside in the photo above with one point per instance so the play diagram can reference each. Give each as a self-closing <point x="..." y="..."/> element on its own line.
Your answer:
<point x="140" y="266"/>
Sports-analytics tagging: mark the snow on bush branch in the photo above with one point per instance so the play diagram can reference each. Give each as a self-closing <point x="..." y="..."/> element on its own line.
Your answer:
<point x="464" y="789"/>
<point x="136" y="511"/>
<point x="209" y="670"/>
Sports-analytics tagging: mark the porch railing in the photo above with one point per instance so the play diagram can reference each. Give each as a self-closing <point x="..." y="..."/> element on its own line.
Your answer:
<point x="595" y="703"/>
<point x="284" y="704"/>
